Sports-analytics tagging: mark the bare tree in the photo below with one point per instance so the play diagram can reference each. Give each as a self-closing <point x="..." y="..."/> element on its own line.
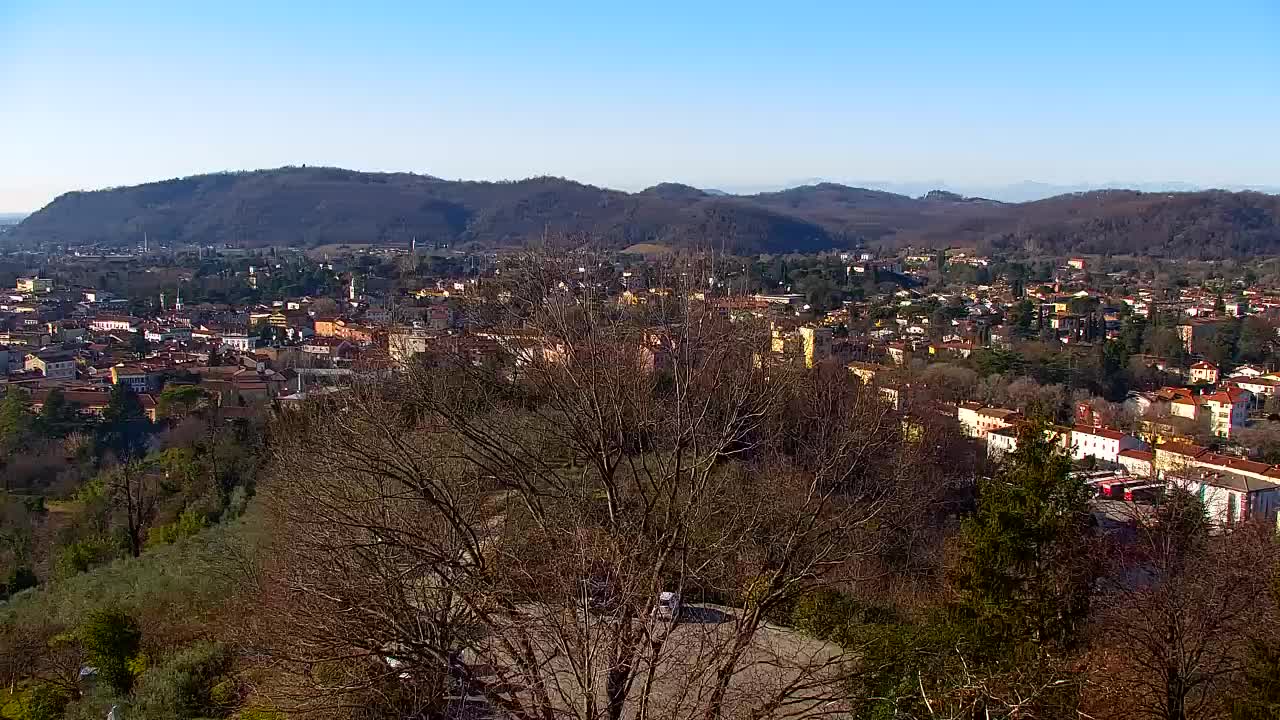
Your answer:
<point x="133" y="491"/>
<point x="1177" y="612"/>
<point x="505" y="531"/>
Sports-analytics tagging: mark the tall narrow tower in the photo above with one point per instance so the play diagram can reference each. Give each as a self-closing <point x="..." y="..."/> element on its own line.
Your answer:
<point x="177" y="303"/>
<point x="161" y="301"/>
<point x="351" y="290"/>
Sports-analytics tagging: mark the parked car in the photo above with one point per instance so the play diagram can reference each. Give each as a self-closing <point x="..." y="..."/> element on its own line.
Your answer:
<point x="668" y="606"/>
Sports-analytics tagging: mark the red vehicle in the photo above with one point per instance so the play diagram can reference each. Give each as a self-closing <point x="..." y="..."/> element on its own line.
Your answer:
<point x="1147" y="491"/>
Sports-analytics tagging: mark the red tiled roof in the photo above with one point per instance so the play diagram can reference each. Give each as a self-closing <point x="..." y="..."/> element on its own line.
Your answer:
<point x="1181" y="448"/>
<point x="1225" y="397"/>
<point x="1138" y="455"/>
<point x="1098" y="431"/>
<point x="1235" y="463"/>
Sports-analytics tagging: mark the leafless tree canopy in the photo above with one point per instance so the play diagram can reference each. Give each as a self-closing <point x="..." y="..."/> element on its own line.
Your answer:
<point x="504" y="530"/>
<point x="1177" y="613"/>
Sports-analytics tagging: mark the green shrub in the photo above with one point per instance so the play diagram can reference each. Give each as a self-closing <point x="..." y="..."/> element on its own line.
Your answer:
<point x="190" y="522"/>
<point x="38" y="701"/>
<point x="236" y="503"/>
<point x="833" y="615"/>
<point x="111" y="638"/>
<point x="192" y="683"/>
<point x="83" y="555"/>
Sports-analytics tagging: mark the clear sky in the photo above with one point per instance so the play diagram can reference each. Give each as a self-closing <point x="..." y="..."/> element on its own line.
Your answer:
<point x="99" y="93"/>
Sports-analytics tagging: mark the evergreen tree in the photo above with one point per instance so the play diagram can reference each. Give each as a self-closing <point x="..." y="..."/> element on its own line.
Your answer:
<point x="1025" y="574"/>
<point x="138" y="343"/>
<point x="1261" y="695"/>
<point x="16" y="426"/>
<point x="16" y="421"/>
<point x="57" y="417"/>
<point x="1021" y="317"/>
<point x="124" y="426"/>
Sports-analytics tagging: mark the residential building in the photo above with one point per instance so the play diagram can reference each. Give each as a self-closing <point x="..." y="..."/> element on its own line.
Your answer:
<point x="1172" y="458"/>
<point x="92" y="402"/>
<point x="1257" y="386"/>
<point x="241" y="341"/>
<point x="137" y="378"/>
<point x="1230" y="497"/>
<point x="792" y="299"/>
<point x="816" y="343"/>
<point x="954" y="349"/>
<point x="807" y="344"/>
<point x="977" y="420"/>
<point x="1248" y="371"/>
<point x="1185" y="406"/>
<point x="53" y="364"/>
<point x="331" y="347"/>
<point x="1001" y="441"/>
<point x="1228" y="410"/>
<point x="110" y="323"/>
<point x="404" y="343"/>
<point x="867" y="372"/>
<point x="898" y="352"/>
<point x="1204" y="372"/>
<point x="34" y="285"/>
<point x="1195" y="335"/>
<point x="1101" y="443"/>
<point x="165" y="334"/>
<point x="1005" y="440"/>
<point x="340" y="328"/>
<point x="1138" y="463"/>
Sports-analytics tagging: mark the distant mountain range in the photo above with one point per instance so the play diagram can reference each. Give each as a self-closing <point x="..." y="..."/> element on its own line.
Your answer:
<point x="305" y="206"/>
<point x="1025" y="191"/>
<point x="11" y="218"/>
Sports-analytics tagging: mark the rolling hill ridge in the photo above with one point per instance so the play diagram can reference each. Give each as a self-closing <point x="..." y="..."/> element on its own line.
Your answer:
<point x="306" y="206"/>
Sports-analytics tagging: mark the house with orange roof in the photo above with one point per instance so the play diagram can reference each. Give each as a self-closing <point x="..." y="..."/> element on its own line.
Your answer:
<point x="1185" y="406"/>
<point x="1204" y="372"/>
<point x="92" y="402"/>
<point x="1228" y="410"/>
<point x="977" y="420"/>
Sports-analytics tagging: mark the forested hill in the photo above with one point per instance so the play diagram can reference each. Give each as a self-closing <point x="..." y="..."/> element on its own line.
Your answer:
<point x="315" y="206"/>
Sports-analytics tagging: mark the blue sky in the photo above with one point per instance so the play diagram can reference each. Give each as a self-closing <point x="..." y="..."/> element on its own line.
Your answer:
<point x="716" y="94"/>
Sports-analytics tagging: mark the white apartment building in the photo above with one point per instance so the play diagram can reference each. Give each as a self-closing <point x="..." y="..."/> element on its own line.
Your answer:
<point x="1101" y="443"/>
